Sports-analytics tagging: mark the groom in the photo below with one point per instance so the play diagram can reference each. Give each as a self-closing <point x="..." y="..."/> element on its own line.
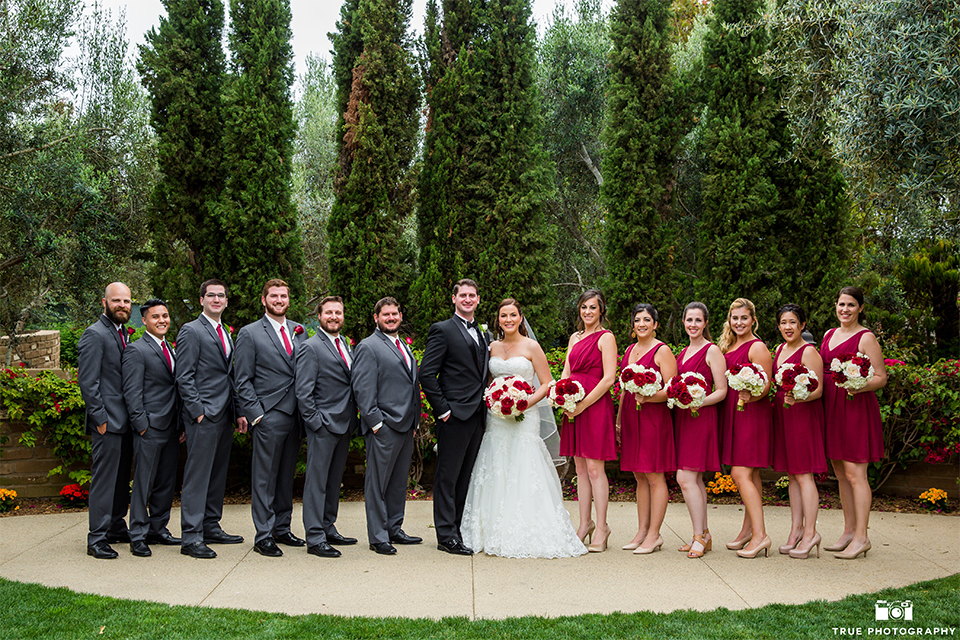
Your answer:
<point x="453" y="376"/>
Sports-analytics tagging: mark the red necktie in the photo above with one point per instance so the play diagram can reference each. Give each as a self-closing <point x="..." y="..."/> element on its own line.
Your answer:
<point x="166" y="354"/>
<point x="286" y="343"/>
<point x="342" y="355"/>
<point x="405" y="359"/>
<point x="222" y="341"/>
<point x="123" y="338"/>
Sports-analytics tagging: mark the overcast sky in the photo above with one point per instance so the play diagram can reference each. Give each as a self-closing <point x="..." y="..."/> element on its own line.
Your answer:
<point x="312" y="20"/>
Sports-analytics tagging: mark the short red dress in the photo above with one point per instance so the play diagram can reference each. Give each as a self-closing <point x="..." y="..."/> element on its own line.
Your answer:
<point x="854" y="430"/>
<point x="746" y="437"/>
<point x="646" y="435"/>
<point x="695" y="439"/>
<point x="592" y="434"/>
<point x="798" y="429"/>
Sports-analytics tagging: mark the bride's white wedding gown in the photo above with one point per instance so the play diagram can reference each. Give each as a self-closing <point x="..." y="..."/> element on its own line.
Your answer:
<point x="514" y="503"/>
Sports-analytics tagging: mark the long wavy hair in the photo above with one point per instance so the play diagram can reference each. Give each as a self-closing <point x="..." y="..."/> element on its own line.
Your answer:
<point x="589" y="294"/>
<point x="728" y="337"/>
<point x="507" y="302"/>
<point x="706" y="317"/>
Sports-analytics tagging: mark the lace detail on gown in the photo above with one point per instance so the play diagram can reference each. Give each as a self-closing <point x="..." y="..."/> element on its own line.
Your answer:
<point x="514" y="504"/>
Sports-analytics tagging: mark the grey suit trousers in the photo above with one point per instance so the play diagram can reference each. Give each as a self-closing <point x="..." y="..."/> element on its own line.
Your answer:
<point x="205" y="477"/>
<point x="154" y="480"/>
<point x="276" y="446"/>
<point x="385" y="482"/>
<point x="326" y="458"/>
<point x="111" y="456"/>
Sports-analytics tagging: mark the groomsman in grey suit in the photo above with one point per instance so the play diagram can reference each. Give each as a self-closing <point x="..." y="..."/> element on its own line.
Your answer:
<point x="154" y="409"/>
<point x="264" y="370"/>
<point x="330" y="416"/>
<point x="388" y="397"/>
<point x="99" y="354"/>
<point x="204" y="374"/>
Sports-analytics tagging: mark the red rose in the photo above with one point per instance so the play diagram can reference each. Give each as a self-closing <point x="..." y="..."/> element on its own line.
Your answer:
<point x="297" y="330"/>
<point x="735" y="369"/>
<point x="505" y="410"/>
<point x="522" y="405"/>
<point x="496" y="395"/>
<point x="506" y="403"/>
<point x="814" y="385"/>
<point x="560" y="400"/>
<point x="626" y="375"/>
<point x="839" y="377"/>
<point x="685" y="397"/>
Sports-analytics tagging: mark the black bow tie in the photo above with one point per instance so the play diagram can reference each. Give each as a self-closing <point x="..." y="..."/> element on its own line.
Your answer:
<point x="473" y="325"/>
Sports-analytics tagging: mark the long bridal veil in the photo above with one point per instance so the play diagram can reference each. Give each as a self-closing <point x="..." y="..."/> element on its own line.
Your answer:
<point x="548" y="421"/>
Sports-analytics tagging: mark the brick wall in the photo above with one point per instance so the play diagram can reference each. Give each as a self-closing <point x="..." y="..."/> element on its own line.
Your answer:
<point x="41" y="350"/>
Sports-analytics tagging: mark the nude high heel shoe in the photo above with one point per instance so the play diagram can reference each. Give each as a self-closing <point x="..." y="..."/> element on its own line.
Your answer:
<point x="765" y="545"/>
<point x="589" y="534"/>
<point x="802" y="553"/>
<point x="640" y="551"/>
<point x="600" y="547"/>
<point x="840" y="546"/>
<point x="853" y="551"/>
<point x="739" y="544"/>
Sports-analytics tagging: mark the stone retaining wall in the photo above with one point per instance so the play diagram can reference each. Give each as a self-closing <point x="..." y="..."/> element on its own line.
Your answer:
<point x="41" y="350"/>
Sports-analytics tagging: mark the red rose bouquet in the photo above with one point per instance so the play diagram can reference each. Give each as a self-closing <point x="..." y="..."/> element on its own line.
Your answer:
<point x="747" y="377"/>
<point x="797" y="380"/>
<point x="851" y="371"/>
<point x="508" y="396"/>
<point x="641" y="381"/>
<point x="687" y="391"/>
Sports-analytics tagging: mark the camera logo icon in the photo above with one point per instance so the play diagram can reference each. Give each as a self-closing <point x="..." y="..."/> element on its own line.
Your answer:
<point x="894" y="610"/>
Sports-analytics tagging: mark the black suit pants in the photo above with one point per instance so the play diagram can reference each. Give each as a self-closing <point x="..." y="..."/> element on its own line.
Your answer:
<point x="458" y="442"/>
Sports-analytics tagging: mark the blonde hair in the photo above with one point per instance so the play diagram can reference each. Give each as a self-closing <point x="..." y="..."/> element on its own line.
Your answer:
<point x="728" y="338"/>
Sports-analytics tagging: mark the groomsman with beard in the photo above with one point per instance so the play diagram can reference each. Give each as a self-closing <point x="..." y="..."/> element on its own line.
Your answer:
<point x="454" y="376"/>
<point x="154" y="408"/>
<point x="264" y="370"/>
<point x="388" y="397"/>
<point x="99" y="354"/>
<point x="329" y="413"/>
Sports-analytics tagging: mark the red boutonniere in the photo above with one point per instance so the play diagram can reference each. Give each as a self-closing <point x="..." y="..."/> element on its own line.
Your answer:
<point x="351" y="340"/>
<point x="297" y="330"/>
<point x="131" y="331"/>
<point x="408" y="340"/>
<point x="230" y="329"/>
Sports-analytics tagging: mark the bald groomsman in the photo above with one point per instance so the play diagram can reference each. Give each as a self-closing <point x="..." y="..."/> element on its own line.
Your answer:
<point x="99" y="354"/>
<point x="265" y="370"/>
<point x="204" y="372"/>
<point x="329" y="414"/>
<point x="154" y="409"/>
<point x="388" y="397"/>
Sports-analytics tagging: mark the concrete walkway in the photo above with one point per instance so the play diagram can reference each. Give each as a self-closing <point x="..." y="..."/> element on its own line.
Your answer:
<point x="907" y="548"/>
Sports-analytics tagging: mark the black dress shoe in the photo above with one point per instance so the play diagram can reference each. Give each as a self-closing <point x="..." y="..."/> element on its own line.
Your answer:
<point x="164" y="537"/>
<point x="221" y="537"/>
<point x="118" y="537"/>
<point x="403" y="538"/>
<point x="101" y="551"/>
<point x="336" y="538"/>
<point x="384" y="548"/>
<point x="140" y="548"/>
<point x="455" y="547"/>
<point x="198" y="550"/>
<point x="267" y="547"/>
<point x="290" y="540"/>
<point x="324" y="550"/>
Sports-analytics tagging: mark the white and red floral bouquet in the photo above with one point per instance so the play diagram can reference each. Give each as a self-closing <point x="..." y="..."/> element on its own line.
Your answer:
<point x="797" y="380"/>
<point x="747" y="377"/>
<point x="687" y="391"/>
<point x="565" y="394"/>
<point x="641" y="381"/>
<point x="851" y="371"/>
<point x="508" y="397"/>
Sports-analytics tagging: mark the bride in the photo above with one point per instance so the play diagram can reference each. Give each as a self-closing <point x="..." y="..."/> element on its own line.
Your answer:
<point x="514" y="504"/>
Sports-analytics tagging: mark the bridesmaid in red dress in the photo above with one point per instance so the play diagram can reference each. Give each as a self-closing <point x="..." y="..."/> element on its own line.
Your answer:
<point x="746" y="436"/>
<point x="696" y="438"/>
<point x="587" y="433"/>
<point x="798" y="435"/>
<point x="854" y="433"/>
<point x="645" y="427"/>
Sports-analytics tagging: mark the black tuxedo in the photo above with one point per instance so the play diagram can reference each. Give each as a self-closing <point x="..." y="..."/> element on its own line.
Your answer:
<point x="454" y="376"/>
<point x="154" y="407"/>
<point x="99" y="354"/>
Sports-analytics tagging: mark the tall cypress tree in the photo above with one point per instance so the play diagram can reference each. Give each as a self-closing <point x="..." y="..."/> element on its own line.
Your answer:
<point x="257" y="215"/>
<point x="645" y="123"/>
<point x="182" y="66"/>
<point x="740" y="254"/>
<point x="485" y="174"/>
<point x="370" y="257"/>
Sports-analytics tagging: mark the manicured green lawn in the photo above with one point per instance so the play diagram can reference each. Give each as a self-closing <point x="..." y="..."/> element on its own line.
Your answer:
<point x="31" y="611"/>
